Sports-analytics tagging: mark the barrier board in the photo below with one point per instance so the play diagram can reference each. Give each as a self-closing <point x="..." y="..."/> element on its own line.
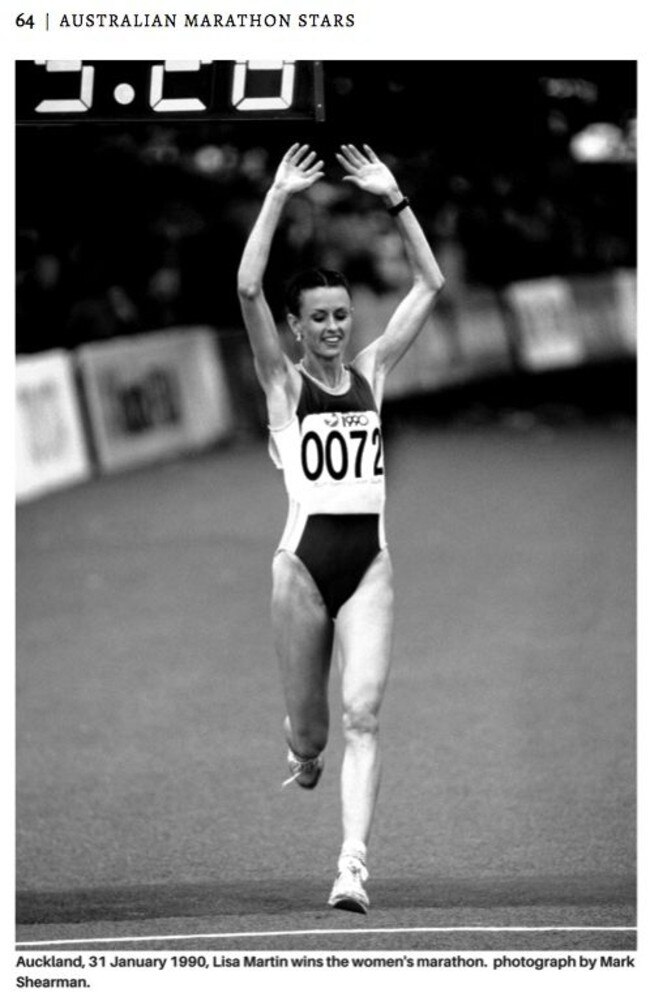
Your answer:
<point x="547" y="326"/>
<point x="601" y="326"/>
<point x="154" y="396"/>
<point x="481" y="333"/>
<point x="50" y="445"/>
<point x="625" y="285"/>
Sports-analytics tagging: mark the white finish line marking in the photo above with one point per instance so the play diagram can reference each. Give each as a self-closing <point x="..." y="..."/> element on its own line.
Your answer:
<point x="320" y="931"/>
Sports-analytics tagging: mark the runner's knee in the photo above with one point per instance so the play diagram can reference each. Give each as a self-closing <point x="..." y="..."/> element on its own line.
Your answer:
<point x="309" y="738"/>
<point x="360" y="721"/>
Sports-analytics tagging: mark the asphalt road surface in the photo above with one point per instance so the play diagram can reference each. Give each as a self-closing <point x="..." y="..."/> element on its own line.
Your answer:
<point x="150" y="756"/>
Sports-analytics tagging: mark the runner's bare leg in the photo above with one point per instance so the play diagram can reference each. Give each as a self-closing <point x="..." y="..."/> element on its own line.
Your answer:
<point x="303" y="635"/>
<point x="364" y="638"/>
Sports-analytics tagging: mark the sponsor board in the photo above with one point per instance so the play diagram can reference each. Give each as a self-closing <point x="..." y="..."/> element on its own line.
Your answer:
<point x="481" y="333"/>
<point x="625" y="286"/>
<point x="607" y="313"/>
<point x="547" y="326"/>
<point x="154" y="396"/>
<point x="50" y="446"/>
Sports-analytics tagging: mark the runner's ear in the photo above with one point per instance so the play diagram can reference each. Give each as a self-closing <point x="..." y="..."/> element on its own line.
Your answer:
<point x="294" y="326"/>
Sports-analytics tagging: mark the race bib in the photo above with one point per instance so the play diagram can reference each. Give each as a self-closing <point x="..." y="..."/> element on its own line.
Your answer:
<point x="342" y="448"/>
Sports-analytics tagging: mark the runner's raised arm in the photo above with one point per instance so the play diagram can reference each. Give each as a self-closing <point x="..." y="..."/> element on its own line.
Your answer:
<point x="298" y="170"/>
<point x="369" y="173"/>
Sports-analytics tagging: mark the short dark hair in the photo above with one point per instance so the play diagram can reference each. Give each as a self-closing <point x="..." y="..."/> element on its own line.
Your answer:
<point x="312" y="278"/>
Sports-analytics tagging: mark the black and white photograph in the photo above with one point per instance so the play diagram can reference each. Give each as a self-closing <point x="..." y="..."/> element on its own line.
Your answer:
<point x="325" y="530"/>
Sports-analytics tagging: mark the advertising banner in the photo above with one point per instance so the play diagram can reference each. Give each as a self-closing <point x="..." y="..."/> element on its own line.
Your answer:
<point x="154" y="396"/>
<point x="547" y="325"/>
<point x="50" y="446"/>
<point x="481" y="333"/>
<point x="600" y="316"/>
<point x="625" y="285"/>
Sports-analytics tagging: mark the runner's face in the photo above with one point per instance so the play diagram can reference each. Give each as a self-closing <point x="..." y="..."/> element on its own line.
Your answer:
<point x="325" y="321"/>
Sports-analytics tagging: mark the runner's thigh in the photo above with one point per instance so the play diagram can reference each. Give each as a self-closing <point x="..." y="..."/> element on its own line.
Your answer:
<point x="302" y="632"/>
<point x="364" y="630"/>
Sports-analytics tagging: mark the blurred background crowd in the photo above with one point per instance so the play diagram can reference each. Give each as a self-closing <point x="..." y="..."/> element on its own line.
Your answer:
<point x="516" y="170"/>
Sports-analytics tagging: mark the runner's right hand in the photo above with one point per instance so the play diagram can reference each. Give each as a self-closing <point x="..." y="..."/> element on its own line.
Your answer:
<point x="298" y="170"/>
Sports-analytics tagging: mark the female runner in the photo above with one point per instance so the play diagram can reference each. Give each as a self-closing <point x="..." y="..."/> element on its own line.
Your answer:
<point x="332" y="577"/>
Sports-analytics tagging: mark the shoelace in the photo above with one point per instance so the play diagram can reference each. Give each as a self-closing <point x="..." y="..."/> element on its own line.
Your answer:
<point x="302" y="766"/>
<point x="352" y="864"/>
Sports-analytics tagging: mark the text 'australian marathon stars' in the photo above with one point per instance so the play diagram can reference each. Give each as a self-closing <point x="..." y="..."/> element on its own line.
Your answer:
<point x="225" y="19"/>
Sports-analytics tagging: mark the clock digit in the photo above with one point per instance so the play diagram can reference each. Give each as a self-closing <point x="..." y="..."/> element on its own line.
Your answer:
<point x="160" y="103"/>
<point x="86" y="82"/>
<point x="271" y="102"/>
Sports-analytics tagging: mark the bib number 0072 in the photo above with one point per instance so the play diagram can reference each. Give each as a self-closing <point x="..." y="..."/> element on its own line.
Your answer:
<point x="340" y="454"/>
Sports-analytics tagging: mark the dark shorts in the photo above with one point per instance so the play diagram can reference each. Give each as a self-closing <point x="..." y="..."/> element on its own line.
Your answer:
<point x="337" y="550"/>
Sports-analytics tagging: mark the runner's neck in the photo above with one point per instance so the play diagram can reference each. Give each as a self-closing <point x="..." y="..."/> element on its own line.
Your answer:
<point x="337" y="383"/>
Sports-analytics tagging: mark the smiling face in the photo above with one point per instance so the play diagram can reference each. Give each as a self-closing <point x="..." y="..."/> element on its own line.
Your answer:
<point x="324" y="322"/>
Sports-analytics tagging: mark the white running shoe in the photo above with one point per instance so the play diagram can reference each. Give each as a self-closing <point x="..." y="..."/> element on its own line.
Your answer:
<point x="348" y="892"/>
<point x="305" y="772"/>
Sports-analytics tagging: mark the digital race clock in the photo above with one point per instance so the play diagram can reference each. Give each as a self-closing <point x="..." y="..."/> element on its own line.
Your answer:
<point x="50" y="91"/>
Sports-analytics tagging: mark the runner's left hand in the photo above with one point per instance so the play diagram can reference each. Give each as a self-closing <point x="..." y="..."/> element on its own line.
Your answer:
<point x="366" y="170"/>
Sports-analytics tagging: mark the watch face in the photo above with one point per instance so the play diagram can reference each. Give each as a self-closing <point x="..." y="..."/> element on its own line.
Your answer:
<point x="51" y="91"/>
